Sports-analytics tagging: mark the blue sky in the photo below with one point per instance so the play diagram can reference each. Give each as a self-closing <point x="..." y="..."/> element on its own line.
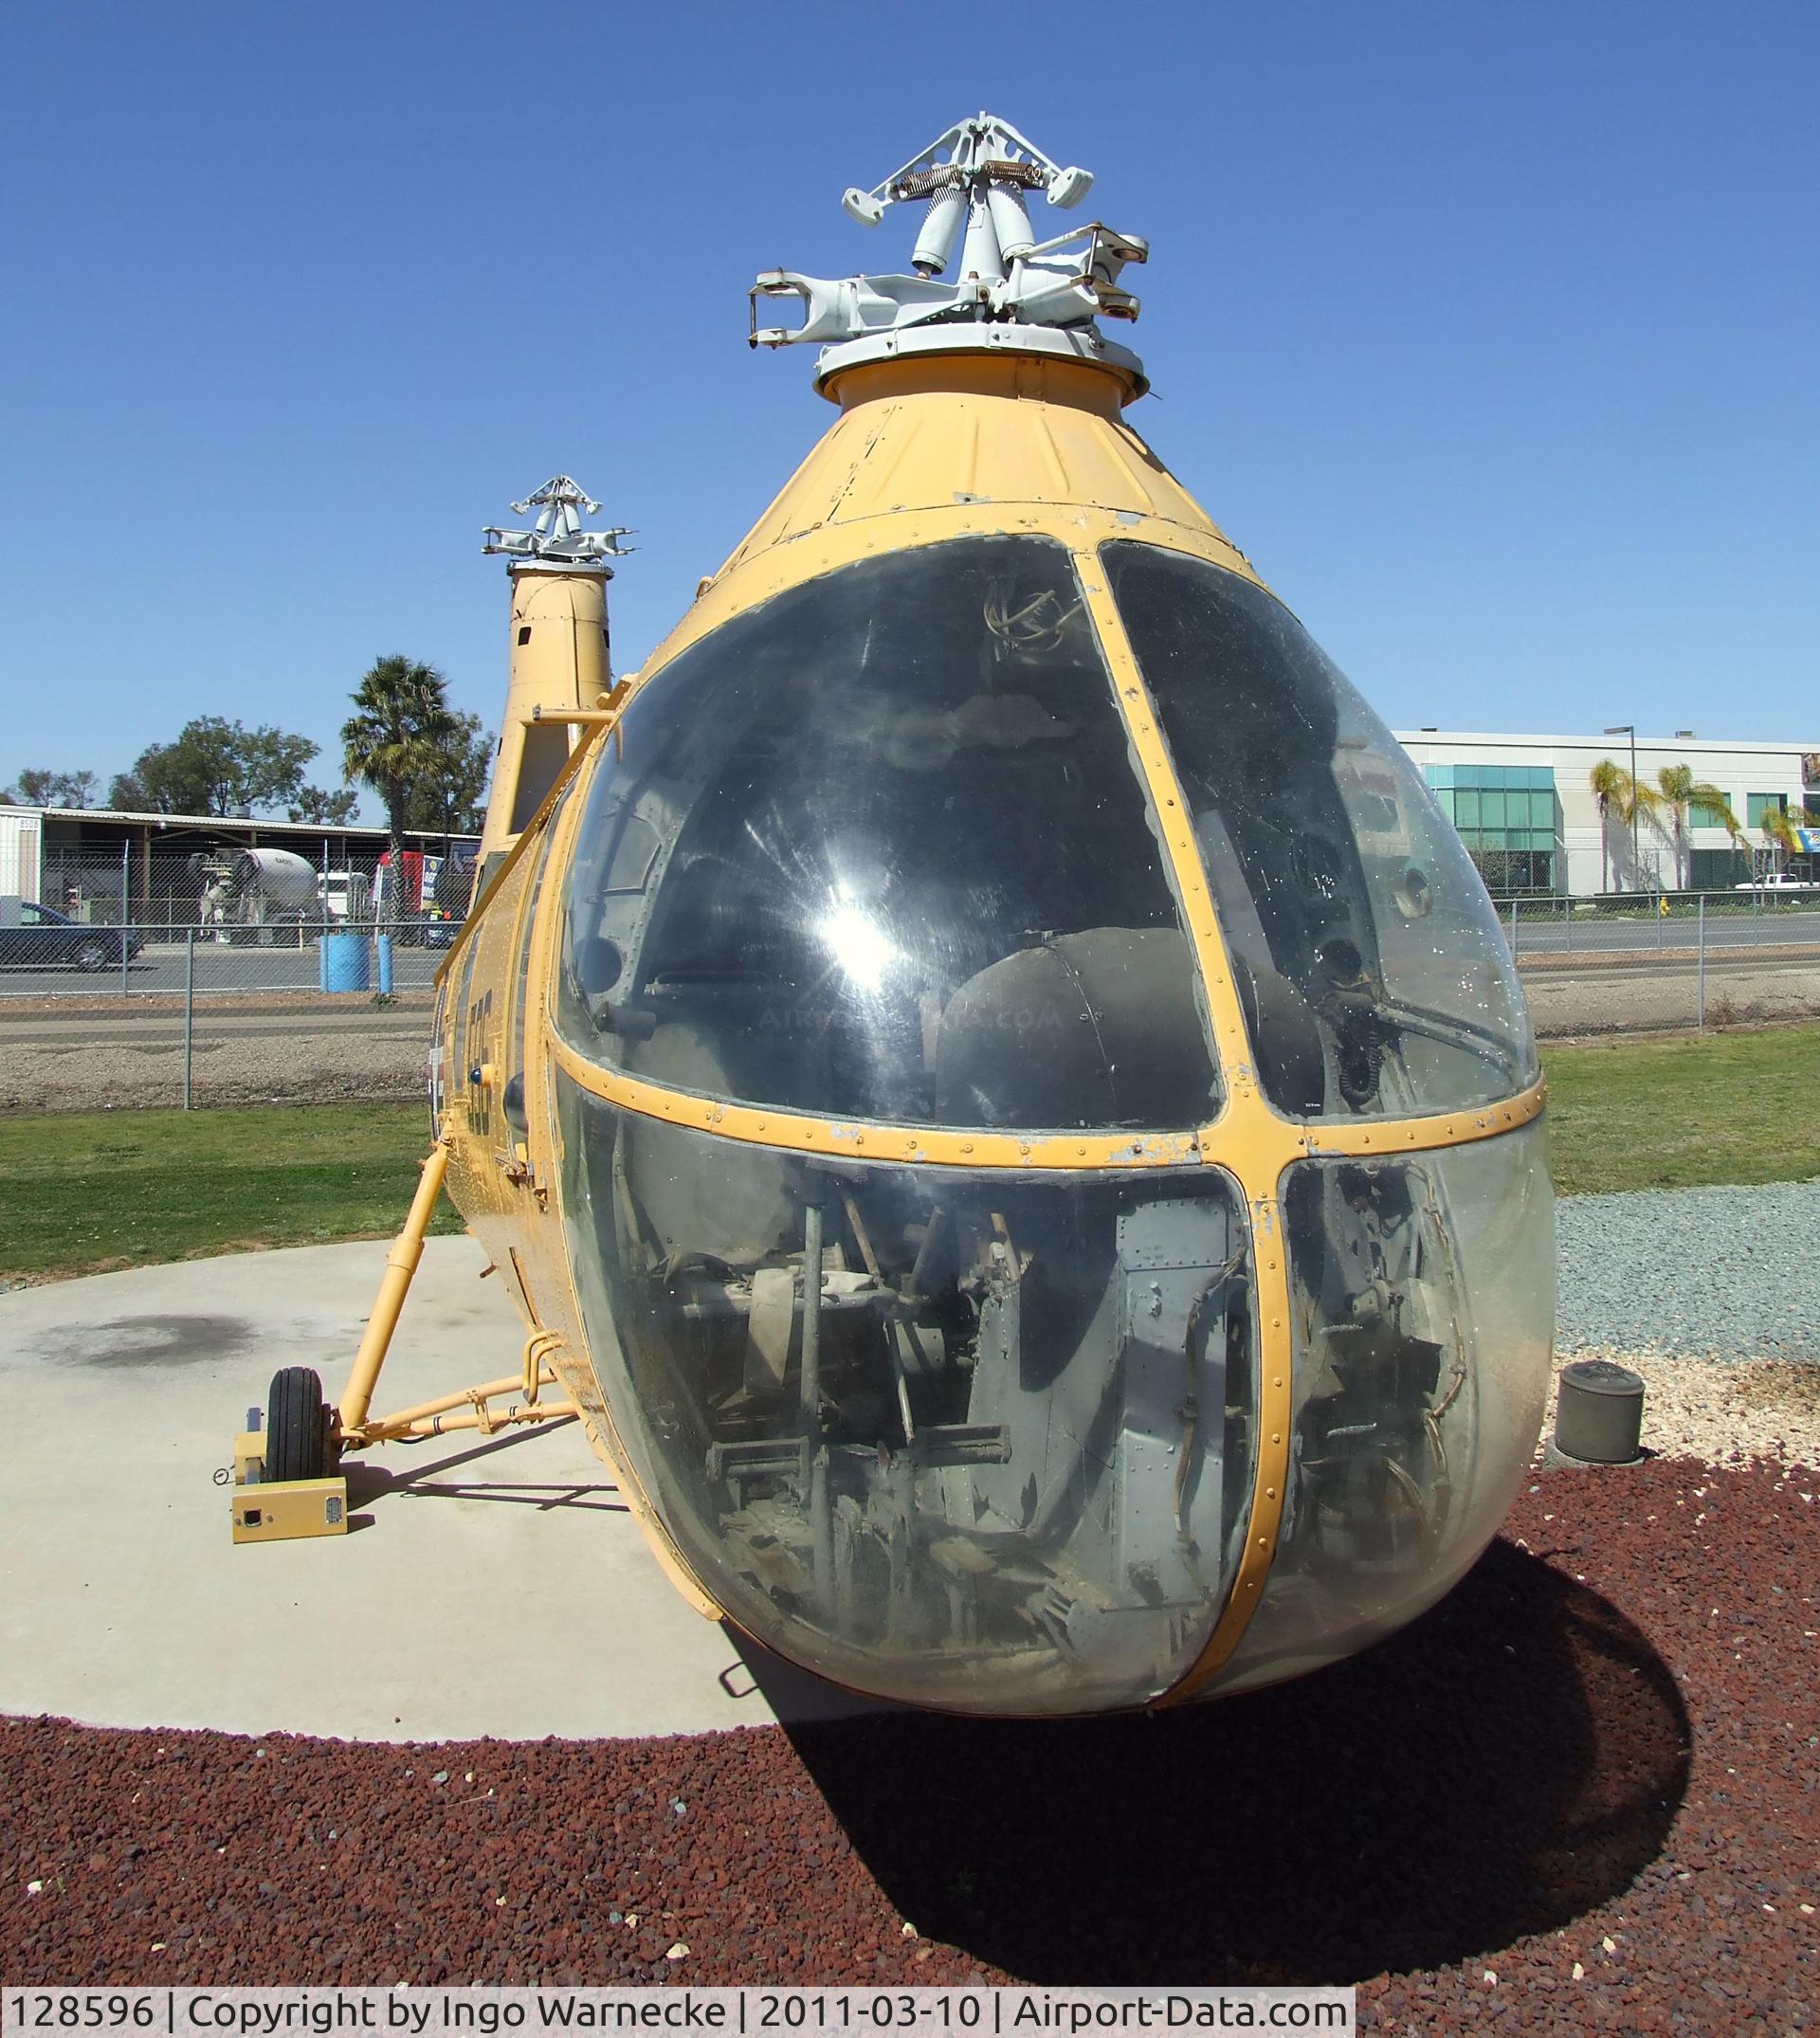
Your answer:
<point x="1491" y="333"/>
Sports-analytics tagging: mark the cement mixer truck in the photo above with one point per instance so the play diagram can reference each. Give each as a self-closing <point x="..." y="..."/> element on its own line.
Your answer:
<point x="254" y="896"/>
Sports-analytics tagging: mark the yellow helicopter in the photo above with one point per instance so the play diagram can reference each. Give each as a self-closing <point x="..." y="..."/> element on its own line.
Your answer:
<point x="1003" y="1106"/>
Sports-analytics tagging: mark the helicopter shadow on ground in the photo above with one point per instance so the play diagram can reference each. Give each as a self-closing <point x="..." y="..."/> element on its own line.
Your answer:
<point x="433" y="1478"/>
<point x="1512" y="1760"/>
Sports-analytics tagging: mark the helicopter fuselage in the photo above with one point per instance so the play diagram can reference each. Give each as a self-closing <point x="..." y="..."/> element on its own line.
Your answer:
<point x="997" y="1092"/>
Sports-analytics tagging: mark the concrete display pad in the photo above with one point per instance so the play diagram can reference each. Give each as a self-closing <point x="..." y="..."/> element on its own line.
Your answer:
<point x="485" y="1586"/>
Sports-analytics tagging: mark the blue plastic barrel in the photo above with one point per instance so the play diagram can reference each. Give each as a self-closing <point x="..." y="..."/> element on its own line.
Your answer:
<point x="346" y="962"/>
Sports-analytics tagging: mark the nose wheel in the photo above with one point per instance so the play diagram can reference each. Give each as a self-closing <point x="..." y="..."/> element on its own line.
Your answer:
<point x="299" y="1426"/>
<point x="285" y="1483"/>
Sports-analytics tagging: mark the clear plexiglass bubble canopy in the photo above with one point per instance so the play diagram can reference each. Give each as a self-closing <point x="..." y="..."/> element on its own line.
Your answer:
<point x="1047" y="1140"/>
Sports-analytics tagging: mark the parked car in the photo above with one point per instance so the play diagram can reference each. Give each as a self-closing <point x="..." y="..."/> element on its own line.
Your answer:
<point x="42" y="937"/>
<point x="1779" y="882"/>
<point x="423" y="930"/>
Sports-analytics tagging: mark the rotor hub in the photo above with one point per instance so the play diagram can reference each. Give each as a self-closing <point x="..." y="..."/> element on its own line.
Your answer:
<point x="980" y="280"/>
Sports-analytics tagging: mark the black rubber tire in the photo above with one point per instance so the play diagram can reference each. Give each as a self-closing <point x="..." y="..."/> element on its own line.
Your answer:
<point x="92" y="954"/>
<point x="297" y="1426"/>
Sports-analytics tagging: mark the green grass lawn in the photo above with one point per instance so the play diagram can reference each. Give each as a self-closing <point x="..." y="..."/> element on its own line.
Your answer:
<point x="1673" y="1114"/>
<point x="99" y="1190"/>
<point x="125" y="1188"/>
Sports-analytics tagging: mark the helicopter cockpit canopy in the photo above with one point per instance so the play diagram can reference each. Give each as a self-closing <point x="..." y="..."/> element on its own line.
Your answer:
<point x="878" y="849"/>
<point x="877" y="852"/>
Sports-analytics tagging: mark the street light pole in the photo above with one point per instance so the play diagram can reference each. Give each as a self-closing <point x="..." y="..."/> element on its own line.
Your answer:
<point x="1629" y="729"/>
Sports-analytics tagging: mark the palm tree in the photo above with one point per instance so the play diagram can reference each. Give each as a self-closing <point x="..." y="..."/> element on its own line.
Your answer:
<point x="397" y="740"/>
<point x="1608" y="781"/>
<point x="1779" y="832"/>
<point x="1629" y="797"/>
<point x="1645" y="802"/>
<point x="1682" y="790"/>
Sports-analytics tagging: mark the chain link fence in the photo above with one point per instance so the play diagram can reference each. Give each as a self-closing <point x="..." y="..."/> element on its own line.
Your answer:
<point x="97" y="1015"/>
<point x="1657" y="962"/>
<point x="198" y="972"/>
<point x="99" y="1011"/>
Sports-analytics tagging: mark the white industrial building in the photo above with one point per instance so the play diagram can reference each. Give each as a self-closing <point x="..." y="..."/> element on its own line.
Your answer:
<point x="1525" y="808"/>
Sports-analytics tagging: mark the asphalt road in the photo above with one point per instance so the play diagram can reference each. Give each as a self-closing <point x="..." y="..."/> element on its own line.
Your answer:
<point x="1541" y="933"/>
<point x="1670" y="966"/>
<point x="218" y="968"/>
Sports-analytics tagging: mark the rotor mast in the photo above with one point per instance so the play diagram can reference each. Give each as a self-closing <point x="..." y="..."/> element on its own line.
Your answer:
<point x="560" y="655"/>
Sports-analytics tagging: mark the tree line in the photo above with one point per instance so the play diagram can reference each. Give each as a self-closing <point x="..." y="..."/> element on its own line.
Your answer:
<point x="428" y="762"/>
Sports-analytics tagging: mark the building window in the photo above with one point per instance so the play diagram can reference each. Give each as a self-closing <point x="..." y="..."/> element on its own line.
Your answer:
<point x="1699" y="815"/>
<point x="1762" y="803"/>
<point x="1505" y="815"/>
<point x="1718" y="870"/>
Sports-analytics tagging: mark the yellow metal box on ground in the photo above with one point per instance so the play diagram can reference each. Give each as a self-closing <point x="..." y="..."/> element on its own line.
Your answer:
<point x="279" y="1512"/>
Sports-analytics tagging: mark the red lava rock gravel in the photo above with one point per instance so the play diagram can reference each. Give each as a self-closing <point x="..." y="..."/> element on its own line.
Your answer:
<point x="1601" y="1751"/>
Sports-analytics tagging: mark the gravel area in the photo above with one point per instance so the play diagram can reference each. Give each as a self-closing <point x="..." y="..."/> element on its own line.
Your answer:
<point x="1719" y="1273"/>
<point x="1723" y="1411"/>
<point x="320" y="1065"/>
<point x="1569" y="997"/>
<point x="1578" y="1796"/>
